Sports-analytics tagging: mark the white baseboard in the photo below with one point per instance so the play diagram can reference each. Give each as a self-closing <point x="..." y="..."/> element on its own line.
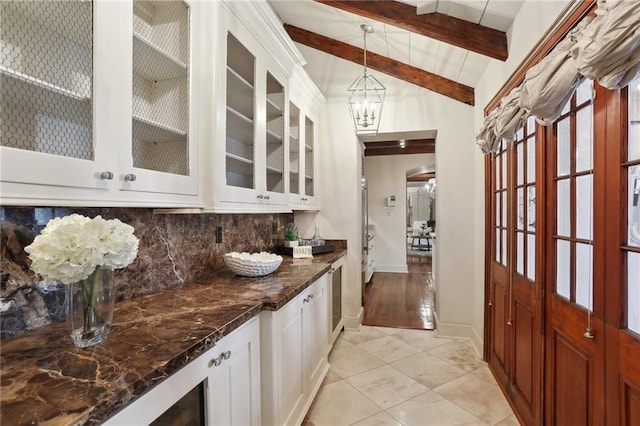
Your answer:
<point x="354" y="322"/>
<point x="402" y="269"/>
<point x="460" y="331"/>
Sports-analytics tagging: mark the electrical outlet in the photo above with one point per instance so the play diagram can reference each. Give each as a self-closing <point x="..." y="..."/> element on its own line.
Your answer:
<point x="218" y="234"/>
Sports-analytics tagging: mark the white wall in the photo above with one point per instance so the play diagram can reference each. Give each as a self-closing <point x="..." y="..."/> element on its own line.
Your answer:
<point x="338" y="180"/>
<point x="386" y="175"/>
<point x="460" y="171"/>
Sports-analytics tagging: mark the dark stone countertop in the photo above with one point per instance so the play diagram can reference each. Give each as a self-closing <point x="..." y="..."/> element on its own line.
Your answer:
<point x="45" y="379"/>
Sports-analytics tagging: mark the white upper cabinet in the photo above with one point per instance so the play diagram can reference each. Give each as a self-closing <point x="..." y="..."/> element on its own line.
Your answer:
<point x="303" y="145"/>
<point x="248" y="154"/>
<point x="96" y="102"/>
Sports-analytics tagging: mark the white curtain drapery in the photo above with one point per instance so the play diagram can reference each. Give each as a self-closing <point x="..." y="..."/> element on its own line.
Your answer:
<point x="605" y="48"/>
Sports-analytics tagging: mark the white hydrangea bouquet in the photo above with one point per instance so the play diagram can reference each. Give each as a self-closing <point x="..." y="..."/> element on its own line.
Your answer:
<point x="82" y="253"/>
<point x="69" y="249"/>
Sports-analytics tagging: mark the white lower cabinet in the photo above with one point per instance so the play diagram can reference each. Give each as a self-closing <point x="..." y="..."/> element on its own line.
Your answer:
<point x="220" y="387"/>
<point x="294" y="343"/>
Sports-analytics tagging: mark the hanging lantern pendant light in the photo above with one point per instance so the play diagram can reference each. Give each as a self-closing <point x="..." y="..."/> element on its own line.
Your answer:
<point x="366" y="97"/>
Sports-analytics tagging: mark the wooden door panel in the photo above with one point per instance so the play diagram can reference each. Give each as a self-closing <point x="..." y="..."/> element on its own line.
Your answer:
<point x="570" y="383"/>
<point x="524" y="349"/>
<point x="500" y="309"/>
<point x="630" y="404"/>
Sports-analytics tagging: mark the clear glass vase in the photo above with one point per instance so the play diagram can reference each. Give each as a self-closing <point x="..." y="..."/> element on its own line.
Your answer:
<point x="89" y="304"/>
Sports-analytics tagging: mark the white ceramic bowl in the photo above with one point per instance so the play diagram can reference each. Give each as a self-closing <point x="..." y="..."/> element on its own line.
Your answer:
<point x="252" y="264"/>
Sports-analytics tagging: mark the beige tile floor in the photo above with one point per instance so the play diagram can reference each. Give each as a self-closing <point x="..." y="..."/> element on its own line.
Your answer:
<point x="388" y="376"/>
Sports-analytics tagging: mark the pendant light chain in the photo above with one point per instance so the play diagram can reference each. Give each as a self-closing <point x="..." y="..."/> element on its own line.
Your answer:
<point x="364" y="30"/>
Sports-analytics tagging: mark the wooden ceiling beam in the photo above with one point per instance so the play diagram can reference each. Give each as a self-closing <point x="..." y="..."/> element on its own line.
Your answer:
<point x="457" y="32"/>
<point x="423" y="177"/>
<point x="400" y="70"/>
<point x="415" y="146"/>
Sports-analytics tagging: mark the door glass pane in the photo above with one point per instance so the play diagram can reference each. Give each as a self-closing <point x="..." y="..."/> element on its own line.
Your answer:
<point x="294" y="149"/>
<point x="584" y="139"/>
<point x="564" y="224"/>
<point x="520" y="253"/>
<point x="161" y="86"/>
<point x="584" y="207"/>
<point x="564" y="145"/>
<point x="531" y="125"/>
<point x="584" y="92"/>
<point x="520" y="163"/>
<point x="498" y="208"/>
<point x="563" y="258"/>
<point x="634" y="120"/>
<point x="521" y="208"/>
<point x="633" y="291"/>
<point x="531" y="214"/>
<point x="531" y="257"/>
<point x="584" y="275"/>
<point x="504" y="247"/>
<point x="275" y="135"/>
<point x="504" y="209"/>
<point x="531" y="160"/>
<point x="497" y="168"/>
<point x="504" y="171"/>
<point x="498" y="240"/>
<point x="46" y="77"/>
<point x="634" y="206"/>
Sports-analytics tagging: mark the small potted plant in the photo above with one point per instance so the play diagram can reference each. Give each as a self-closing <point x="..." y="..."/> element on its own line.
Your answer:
<point x="291" y="235"/>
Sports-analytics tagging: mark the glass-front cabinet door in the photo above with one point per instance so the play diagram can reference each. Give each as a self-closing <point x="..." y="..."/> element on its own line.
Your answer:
<point x="274" y="105"/>
<point x="309" y="158"/>
<point x="294" y="153"/>
<point x="161" y="158"/>
<point x="47" y="88"/>
<point x="302" y="158"/>
<point x="240" y="161"/>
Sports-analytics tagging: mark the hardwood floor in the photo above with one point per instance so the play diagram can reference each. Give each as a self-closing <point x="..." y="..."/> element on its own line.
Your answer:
<point x="402" y="300"/>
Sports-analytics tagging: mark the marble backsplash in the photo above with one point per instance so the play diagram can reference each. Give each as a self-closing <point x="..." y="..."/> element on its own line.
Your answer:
<point x="173" y="249"/>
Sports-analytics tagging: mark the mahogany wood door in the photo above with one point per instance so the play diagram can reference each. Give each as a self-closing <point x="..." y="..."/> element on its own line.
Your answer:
<point x="498" y="304"/>
<point x="574" y="350"/>
<point x="515" y="346"/>
<point x="524" y="317"/>
<point x="622" y="256"/>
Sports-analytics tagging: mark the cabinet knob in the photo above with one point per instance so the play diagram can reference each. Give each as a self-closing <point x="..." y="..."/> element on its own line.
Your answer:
<point x="305" y="300"/>
<point x="267" y="197"/>
<point x="130" y="177"/>
<point x="260" y="196"/>
<point x="226" y="355"/>
<point x="311" y="296"/>
<point x="106" y="175"/>
<point x="216" y="361"/>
